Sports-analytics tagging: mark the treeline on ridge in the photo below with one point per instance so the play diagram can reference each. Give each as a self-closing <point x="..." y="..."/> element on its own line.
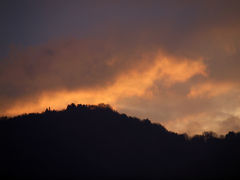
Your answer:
<point x="97" y="141"/>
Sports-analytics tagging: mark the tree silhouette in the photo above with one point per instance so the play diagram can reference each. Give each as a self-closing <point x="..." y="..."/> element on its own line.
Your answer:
<point x="95" y="141"/>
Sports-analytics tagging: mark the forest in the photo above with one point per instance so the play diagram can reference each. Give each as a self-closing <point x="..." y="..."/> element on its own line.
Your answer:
<point x="95" y="141"/>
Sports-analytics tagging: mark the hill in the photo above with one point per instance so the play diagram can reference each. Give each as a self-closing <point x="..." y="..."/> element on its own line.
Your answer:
<point x="95" y="141"/>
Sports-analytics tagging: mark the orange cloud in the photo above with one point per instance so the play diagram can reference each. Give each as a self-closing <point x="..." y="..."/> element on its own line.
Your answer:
<point x="209" y="89"/>
<point x="180" y="70"/>
<point x="190" y="124"/>
<point x="135" y="82"/>
<point x="199" y="122"/>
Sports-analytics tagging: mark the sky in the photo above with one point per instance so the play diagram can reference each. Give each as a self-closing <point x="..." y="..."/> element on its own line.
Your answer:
<point x="175" y="62"/>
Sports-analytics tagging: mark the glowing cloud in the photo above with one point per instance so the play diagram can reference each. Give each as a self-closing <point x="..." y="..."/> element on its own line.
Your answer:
<point x="176" y="63"/>
<point x="208" y="89"/>
<point x="135" y="82"/>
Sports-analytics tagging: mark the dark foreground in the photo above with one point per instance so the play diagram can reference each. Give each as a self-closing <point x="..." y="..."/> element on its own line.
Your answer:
<point x="96" y="142"/>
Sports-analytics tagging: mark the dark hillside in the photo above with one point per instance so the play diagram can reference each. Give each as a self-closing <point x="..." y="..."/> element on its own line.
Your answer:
<point x="96" y="141"/>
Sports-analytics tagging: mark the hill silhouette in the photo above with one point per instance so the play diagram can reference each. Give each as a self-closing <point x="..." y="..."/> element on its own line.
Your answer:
<point x="88" y="141"/>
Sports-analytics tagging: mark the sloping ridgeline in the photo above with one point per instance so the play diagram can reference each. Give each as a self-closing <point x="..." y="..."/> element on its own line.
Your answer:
<point x="96" y="141"/>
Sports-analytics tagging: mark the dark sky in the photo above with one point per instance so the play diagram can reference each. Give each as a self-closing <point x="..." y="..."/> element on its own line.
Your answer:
<point x="175" y="62"/>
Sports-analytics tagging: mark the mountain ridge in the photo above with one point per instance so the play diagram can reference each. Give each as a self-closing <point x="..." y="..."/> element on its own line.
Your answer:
<point x="96" y="141"/>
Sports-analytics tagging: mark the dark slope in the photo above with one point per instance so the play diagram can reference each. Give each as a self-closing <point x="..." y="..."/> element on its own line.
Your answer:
<point x="95" y="141"/>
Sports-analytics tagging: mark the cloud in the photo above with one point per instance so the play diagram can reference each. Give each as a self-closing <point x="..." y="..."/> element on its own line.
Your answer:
<point x="174" y="62"/>
<point x="210" y="89"/>
<point x="129" y="81"/>
<point x="232" y="123"/>
<point x="64" y="65"/>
